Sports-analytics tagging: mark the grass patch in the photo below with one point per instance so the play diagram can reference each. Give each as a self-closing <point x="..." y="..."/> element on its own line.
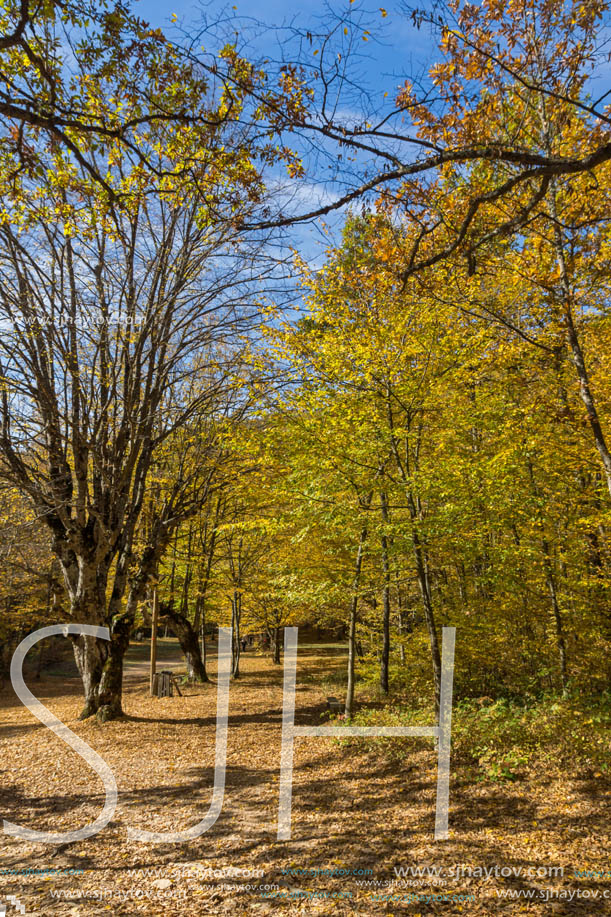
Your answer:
<point x="502" y="741"/>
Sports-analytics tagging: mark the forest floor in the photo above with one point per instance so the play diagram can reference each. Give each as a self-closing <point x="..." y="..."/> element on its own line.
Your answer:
<point x="358" y="819"/>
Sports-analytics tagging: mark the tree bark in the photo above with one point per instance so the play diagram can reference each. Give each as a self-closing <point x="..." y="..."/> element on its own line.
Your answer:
<point x="420" y="557"/>
<point x="235" y="623"/>
<point x="557" y="616"/>
<point x="429" y="614"/>
<point x="90" y="656"/>
<point x="200" y="618"/>
<point x="385" y="654"/>
<point x="189" y="643"/>
<point x="276" y="646"/>
<point x="110" y="688"/>
<point x="354" y="604"/>
<point x="551" y="585"/>
<point x="575" y="349"/>
<point x="585" y="392"/>
<point x="100" y="665"/>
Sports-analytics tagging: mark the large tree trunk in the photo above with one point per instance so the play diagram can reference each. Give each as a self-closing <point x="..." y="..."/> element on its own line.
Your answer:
<point x="189" y="643"/>
<point x="100" y="662"/>
<point x="100" y="665"/>
<point x="196" y="670"/>
<point x="90" y="655"/>
<point x="110" y="688"/>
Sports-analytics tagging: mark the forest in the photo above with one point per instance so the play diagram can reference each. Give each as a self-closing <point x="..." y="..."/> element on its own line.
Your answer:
<point x="279" y="350"/>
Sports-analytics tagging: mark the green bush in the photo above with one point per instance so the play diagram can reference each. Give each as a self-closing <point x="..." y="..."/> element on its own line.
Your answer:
<point x="507" y="738"/>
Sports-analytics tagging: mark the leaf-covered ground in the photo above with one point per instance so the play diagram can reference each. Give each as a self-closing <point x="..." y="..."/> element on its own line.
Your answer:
<point x="357" y="816"/>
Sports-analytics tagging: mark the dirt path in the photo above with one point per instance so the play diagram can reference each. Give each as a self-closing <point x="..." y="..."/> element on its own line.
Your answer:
<point x="137" y="660"/>
<point x="356" y="817"/>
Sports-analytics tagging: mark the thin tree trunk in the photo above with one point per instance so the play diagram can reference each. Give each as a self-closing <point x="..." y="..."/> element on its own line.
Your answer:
<point x="551" y="585"/>
<point x="587" y="397"/>
<point x="235" y="622"/>
<point x="404" y="467"/>
<point x="200" y="615"/>
<point x="557" y="616"/>
<point x="401" y="630"/>
<point x="385" y="654"/>
<point x="154" y="629"/>
<point x="422" y="574"/>
<point x="41" y="650"/>
<point x="429" y="614"/>
<point x="276" y="646"/>
<point x="577" y="357"/>
<point x="349" y="708"/>
<point x="401" y="615"/>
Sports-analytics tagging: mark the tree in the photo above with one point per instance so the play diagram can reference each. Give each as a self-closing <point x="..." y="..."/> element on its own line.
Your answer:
<point x="30" y="594"/>
<point x="449" y="150"/>
<point x="191" y="489"/>
<point x="80" y="79"/>
<point x="113" y="341"/>
<point x="434" y="464"/>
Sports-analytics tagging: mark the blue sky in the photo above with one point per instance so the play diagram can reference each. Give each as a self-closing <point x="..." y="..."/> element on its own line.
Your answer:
<point x="402" y="48"/>
<point x="394" y="51"/>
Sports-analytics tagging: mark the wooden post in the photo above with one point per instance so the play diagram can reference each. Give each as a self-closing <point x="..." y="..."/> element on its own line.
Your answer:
<point x="154" y="635"/>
